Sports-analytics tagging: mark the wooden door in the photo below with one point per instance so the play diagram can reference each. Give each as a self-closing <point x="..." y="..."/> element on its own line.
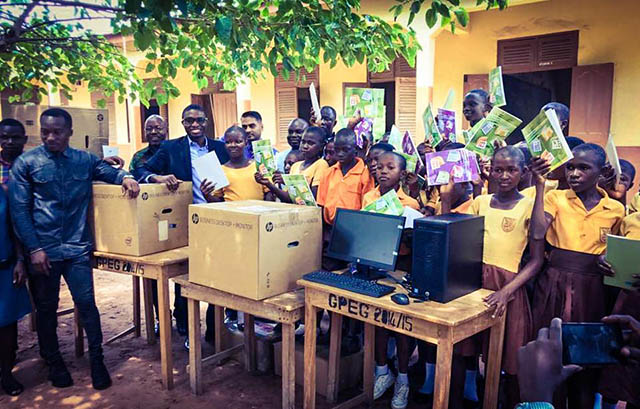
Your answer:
<point x="225" y="112"/>
<point x="473" y="81"/>
<point x="204" y="100"/>
<point x="405" y="109"/>
<point x="591" y="94"/>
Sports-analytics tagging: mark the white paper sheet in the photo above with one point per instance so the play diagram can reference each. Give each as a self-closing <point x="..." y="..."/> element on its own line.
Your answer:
<point x="209" y="167"/>
<point x="410" y="215"/>
<point x="314" y="101"/>
<point x="109" y="151"/>
<point x="612" y="156"/>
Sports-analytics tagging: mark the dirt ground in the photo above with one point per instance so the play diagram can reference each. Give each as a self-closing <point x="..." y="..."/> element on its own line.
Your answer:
<point x="135" y="367"/>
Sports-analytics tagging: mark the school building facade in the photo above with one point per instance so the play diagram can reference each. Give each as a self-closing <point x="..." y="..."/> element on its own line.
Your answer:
<point x="579" y="52"/>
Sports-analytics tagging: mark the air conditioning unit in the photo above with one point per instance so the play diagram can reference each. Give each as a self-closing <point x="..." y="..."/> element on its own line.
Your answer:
<point x="90" y="126"/>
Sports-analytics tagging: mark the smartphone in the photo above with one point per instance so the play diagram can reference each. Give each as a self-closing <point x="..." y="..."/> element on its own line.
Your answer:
<point x="590" y="343"/>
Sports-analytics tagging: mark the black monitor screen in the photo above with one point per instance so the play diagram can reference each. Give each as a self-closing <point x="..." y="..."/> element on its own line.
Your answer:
<point x="371" y="239"/>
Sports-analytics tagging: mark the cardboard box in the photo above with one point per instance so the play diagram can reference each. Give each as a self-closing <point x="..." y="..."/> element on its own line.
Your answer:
<point x="253" y="248"/>
<point x="155" y="221"/>
<point x="349" y="375"/>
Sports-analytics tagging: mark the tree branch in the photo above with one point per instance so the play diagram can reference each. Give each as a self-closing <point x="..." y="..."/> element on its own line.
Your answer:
<point x="63" y="20"/>
<point x="88" y="6"/>
<point x="17" y="26"/>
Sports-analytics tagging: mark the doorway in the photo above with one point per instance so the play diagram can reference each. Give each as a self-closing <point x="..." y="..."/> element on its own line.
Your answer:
<point x="527" y="92"/>
<point x="389" y="101"/>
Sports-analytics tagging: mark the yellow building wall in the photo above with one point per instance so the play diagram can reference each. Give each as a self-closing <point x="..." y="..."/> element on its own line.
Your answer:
<point x="608" y="32"/>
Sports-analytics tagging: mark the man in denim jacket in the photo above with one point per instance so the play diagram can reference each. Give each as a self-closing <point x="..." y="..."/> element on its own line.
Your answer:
<point x="50" y="190"/>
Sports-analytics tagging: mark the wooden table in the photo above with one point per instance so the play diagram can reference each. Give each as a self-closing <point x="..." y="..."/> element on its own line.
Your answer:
<point x="285" y="308"/>
<point x="440" y="324"/>
<point x="159" y="267"/>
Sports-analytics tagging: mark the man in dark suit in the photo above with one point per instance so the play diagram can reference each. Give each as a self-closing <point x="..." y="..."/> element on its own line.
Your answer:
<point x="172" y="164"/>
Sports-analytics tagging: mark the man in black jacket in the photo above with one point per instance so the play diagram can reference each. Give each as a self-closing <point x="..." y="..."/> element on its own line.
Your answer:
<point x="172" y="164"/>
<point x="50" y="191"/>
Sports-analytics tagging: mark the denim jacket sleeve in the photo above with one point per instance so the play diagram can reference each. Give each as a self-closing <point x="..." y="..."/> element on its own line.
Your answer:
<point x="21" y="204"/>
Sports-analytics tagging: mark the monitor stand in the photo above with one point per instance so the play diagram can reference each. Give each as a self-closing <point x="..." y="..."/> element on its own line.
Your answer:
<point x="365" y="272"/>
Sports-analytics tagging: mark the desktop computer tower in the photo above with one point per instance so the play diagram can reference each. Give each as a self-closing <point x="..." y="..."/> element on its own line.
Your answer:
<point x="447" y="256"/>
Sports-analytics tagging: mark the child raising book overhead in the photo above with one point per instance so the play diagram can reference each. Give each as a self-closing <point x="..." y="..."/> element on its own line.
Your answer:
<point x="575" y="223"/>
<point x="311" y="165"/>
<point x="391" y="169"/>
<point x="507" y="214"/>
<point x="240" y="171"/>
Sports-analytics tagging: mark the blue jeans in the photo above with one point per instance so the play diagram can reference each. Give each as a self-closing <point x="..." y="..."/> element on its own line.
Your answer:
<point x="78" y="275"/>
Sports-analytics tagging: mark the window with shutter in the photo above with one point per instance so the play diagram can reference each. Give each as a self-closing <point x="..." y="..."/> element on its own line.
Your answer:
<point x="538" y="53"/>
<point x="399" y="68"/>
<point x="405" y="111"/>
<point x="286" y="111"/>
<point x="304" y="81"/>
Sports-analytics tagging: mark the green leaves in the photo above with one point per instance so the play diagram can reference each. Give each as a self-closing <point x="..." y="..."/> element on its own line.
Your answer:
<point x="431" y="17"/>
<point x="143" y="39"/>
<point x="223" y="28"/>
<point x="462" y="16"/>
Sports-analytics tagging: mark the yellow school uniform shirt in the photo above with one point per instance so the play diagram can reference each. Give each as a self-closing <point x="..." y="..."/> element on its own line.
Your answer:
<point x="634" y="204"/>
<point x="313" y="173"/>
<point x="405" y="199"/>
<point x="630" y="226"/>
<point x="530" y="191"/>
<point x="242" y="184"/>
<point x="506" y="232"/>
<point x="576" y="229"/>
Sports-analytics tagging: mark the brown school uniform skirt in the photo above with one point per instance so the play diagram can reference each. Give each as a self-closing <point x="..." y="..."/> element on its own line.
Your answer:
<point x="622" y="382"/>
<point x="519" y="321"/>
<point x="570" y="288"/>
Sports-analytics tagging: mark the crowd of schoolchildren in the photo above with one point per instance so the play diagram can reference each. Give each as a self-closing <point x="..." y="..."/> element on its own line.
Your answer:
<point x="544" y="244"/>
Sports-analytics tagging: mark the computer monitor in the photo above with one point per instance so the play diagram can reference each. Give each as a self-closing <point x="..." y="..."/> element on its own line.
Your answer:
<point x="367" y="240"/>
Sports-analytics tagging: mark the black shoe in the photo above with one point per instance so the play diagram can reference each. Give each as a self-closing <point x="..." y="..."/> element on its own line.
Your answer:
<point x="186" y="343"/>
<point x="59" y="374"/>
<point x="99" y="375"/>
<point x="11" y="386"/>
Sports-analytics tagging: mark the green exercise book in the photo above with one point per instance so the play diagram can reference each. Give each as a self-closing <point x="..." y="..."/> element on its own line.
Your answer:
<point x="624" y="256"/>
<point x="299" y="190"/>
<point x="545" y="139"/>
<point x="412" y="161"/>
<point x="389" y="203"/>
<point x="370" y="102"/>
<point x="497" y="96"/>
<point x="264" y="157"/>
<point x="497" y="125"/>
<point x="431" y="131"/>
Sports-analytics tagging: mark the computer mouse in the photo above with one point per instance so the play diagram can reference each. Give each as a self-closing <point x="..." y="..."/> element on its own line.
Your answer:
<point x="400" y="298"/>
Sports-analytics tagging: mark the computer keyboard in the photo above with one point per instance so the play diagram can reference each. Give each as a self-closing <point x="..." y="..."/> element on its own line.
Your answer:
<point x="349" y="283"/>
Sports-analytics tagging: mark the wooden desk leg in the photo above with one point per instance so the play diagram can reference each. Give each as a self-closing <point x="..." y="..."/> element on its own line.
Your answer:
<point x="442" y="384"/>
<point x="288" y="366"/>
<point x="249" y="343"/>
<point x="149" y="319"/>
<point x="136" y="305"/>
<point x="220" y="330"/>
<point x="494" y="363"/>
<point x="166" y="358"/>
<point x="309" y="354"/>
<point x="368" y="367"/>
<point x="335" y="346"/>
<point x="78" y="332"/>
<point x="195" y="347"/>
